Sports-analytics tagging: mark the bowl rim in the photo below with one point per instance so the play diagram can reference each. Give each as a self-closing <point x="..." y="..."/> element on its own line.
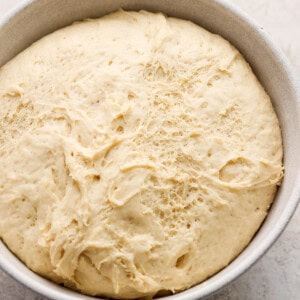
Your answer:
<point x="282" y="222"/>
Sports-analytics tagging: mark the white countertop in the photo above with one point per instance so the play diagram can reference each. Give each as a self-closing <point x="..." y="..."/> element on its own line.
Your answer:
<point x="277" y="275"/>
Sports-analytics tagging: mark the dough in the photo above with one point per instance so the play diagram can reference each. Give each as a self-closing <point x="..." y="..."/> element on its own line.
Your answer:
<point x="138" y="154"/>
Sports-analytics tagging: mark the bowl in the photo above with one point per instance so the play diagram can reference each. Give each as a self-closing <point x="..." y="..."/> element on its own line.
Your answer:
<point x="33" y="19"/>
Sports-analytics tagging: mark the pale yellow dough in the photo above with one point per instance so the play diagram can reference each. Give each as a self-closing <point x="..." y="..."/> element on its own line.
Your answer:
<point x="138" y="153"/>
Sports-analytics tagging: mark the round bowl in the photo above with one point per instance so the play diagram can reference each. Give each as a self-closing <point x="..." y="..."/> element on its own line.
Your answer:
<point x="33" y="19"/>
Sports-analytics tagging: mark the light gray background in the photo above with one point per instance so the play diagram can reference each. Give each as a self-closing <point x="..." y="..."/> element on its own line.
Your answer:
<point x="277" y="275"/>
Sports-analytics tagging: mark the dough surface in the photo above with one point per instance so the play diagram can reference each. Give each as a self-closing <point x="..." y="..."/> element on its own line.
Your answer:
<point x="138" y="154"/>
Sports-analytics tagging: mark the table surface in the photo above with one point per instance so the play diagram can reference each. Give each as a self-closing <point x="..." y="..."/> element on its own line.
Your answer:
<point x="277" y="275"/>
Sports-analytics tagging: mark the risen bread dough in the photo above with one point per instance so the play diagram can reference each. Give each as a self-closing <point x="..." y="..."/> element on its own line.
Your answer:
<point x="139" y="153"/>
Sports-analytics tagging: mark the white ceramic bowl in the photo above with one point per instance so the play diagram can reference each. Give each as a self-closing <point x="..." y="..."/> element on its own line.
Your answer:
<point x="34" y="19"/>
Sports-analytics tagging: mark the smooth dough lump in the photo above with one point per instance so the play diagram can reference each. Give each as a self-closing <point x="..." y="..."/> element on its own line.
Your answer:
<point x="138" y="154"/>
